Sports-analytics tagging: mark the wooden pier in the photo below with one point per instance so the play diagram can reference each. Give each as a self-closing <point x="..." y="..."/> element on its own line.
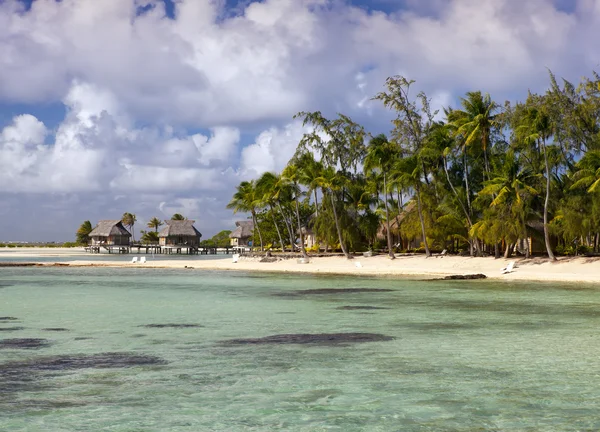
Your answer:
<point x="149" y="249"/>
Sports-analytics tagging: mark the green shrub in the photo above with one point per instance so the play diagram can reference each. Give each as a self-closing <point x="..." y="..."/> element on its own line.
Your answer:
<point x="11" y="245"/>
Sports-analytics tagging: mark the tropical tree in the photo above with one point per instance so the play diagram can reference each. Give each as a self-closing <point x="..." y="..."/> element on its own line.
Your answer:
<point x="178" y="216"/>
<point x="149" y="237"/>
<point x="292" y="174"/>
<point x="414" y="119"/>
<point x="129" y="220"/>
<point x="268" y="186"/>
<point x="83" y="233"/>
<point x="381" y="155"/>
<point x="333" y="182"/>
<point x="535" y="128"/>
<point x="247" y="199"/>
<point x="475" y="122"/>
<point x="155" y="223"/>
<point x="511" y="192"/>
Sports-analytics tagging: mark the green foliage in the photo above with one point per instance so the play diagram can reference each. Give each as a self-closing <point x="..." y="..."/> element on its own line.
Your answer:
<point x="219" y="240"/>
<point x="82" y="235"/>
<point x="178" y="216"/>
<point x="484" y="177"/>
<point x="149" y="237"/>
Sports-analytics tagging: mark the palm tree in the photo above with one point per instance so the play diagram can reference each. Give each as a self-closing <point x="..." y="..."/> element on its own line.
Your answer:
<point x="155" y="223"/>
<point x="309" y="174"/>
<point x="246" y="199"/>
<point x="536" y="128"/>
<point x="268" y="188"/>
<point x="129" y="220"/>
<point x="178" y="216"/>
<point x="83" y="232"/>
<point x="511" y="192"/>
<point x="291" y="173"/>
<point x="408" y="170"/>
<point x="588" y="173"/>
<point x="333" y="182"/>
<point x="475" y="122"/>
<point x="380" y="157"/>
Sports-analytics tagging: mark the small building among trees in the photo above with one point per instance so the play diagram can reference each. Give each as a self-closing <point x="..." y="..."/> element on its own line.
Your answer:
<point x="180" y="234"/>
<point x="109" y="233"/>
<point x="242" y="235"/>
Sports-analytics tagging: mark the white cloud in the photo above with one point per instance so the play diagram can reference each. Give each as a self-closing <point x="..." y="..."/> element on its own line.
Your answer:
<point x="96" y="148"/>
<point x="272" y="150"/>
<point x="281" y="56"/>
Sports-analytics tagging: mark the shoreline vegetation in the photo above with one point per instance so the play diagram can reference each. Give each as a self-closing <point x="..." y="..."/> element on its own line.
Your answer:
<point x="481" y="178"/>
<point x="568" y="269"/>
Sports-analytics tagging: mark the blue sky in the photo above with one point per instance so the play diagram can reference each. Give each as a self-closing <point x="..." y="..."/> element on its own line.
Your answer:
<point x="111" y="106"/>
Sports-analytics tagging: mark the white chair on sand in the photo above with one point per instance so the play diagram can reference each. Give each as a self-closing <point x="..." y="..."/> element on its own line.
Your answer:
<point x="143" y="260"/>
<point x="235" y="258"/>
<point x="508" y="268"/>
<point x="134" y="260"/>
<point x="443" y="254"/>
<point x="358" y="264"/>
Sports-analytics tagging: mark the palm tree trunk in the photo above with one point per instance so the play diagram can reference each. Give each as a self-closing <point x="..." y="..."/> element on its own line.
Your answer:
<point x="287" y="224"/>
<point x="398" y="215"/>
<point x="546" y="202"/>
<point x="387" y="218"/>
<point x="277" y="227"/>
<point x="507" y="251"/>
<point x="420" y="209"/>
<point x="462" y="206"/>
<point x="466" y="175"/>
<point x="337" y="227"/>
<point x="255" y="220"/>
<point x="300" y="225"/>
<point x="527" y="252"/>
<point x="316" y="203"/>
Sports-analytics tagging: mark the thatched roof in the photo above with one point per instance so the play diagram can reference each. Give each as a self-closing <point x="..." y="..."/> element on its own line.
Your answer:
<point x="179" y="228"/>
<point x="244" y="229"/>
<point x="107" y="228"/>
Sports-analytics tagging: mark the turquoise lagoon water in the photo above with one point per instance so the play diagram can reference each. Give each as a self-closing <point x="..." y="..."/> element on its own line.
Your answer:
<point x="466" y="356"/>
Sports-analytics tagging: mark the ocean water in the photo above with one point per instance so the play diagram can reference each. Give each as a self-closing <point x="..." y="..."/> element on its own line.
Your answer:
<point x="104" y="349"/>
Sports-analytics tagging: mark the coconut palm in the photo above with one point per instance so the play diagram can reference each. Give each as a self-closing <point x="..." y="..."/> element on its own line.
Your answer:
<point x="535" y="129"/>
<point x="83" y="233"/>
<point x="588" y="174"/>
<point x="291" y="174"/>
<point x="268" y="187"/>
<point x="129" y="220"/>
<point x="380" y="157"/>
<point x="475" y="122"/>
<point x="247" y="199"/>
<point x="178" y="216"/>
<point x="512" y="192"/>
<point x="333" y="182"/>
<point x="409" y="171"/>
<point x="155" y="223"/>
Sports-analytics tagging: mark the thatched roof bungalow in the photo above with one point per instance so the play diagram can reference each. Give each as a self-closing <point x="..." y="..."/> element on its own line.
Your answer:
<point x="110" y="232"/>
<point x="179" y="233"/>
<point x="242" y="235"/>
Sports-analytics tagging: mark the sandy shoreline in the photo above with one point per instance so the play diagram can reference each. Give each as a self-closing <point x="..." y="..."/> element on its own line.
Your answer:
<point x="579" y="269"/>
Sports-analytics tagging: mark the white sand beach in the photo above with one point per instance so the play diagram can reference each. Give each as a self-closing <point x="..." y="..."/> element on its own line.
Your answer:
<point x="573" y="269"/>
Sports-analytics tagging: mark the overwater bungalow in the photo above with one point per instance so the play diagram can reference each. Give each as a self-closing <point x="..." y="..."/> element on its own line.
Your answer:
<point x="178" y="235"/>
<point x="242" y="235"/>
<point x="109" y="234"/>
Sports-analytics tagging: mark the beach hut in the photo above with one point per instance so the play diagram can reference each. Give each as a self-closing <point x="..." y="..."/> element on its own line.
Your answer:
<point x="180" y="234"/>
<point x="242" y="235"/>
<point x="109" y="233"/>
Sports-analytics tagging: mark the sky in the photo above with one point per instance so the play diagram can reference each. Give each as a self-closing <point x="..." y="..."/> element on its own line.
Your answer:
<point x="161" y="106"/>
